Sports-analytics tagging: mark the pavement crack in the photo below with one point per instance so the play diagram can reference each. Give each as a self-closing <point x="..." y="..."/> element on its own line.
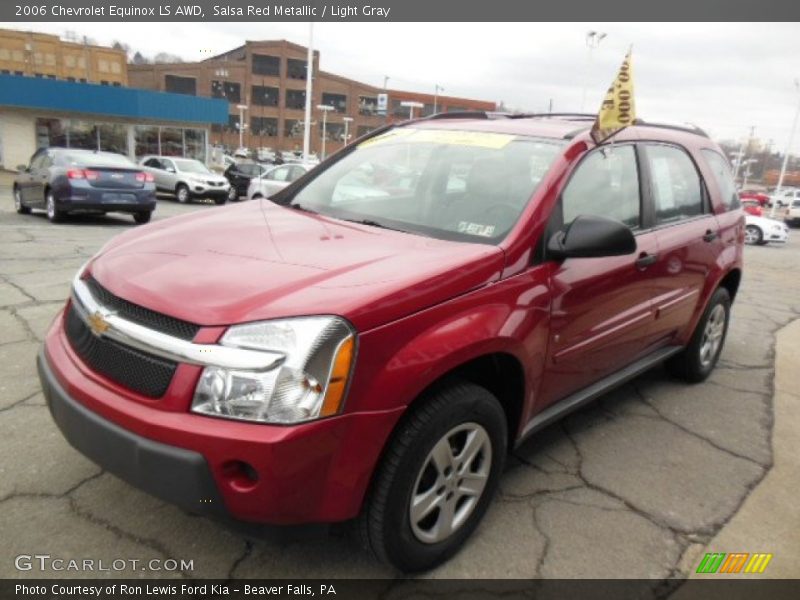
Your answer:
<point x="248" y="550"/>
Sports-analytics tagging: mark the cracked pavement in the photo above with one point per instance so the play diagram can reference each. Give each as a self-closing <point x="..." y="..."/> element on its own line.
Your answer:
<point x="633" y="486"/>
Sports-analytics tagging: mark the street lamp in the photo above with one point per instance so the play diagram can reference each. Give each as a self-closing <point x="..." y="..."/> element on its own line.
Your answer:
<point x="411" y="105"/>
<point x="325" y="108"/>
<point x="437" y="88"/>
<point x="347" y="121"/>
<point x="593" y="39"/>
<point x="786" y="154"/>
<point x="242" y="108"/>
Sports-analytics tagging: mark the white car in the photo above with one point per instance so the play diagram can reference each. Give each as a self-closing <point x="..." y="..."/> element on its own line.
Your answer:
<point x="785" y="197"/>
<point x="792" y="213"/>
<point x="276" y="179"/>
<point x="187" y="178"/>
<point x="760" y="231"/>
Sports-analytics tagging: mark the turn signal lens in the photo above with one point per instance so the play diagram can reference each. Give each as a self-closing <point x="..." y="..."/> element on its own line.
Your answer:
<point x="144" y="177"/>
<point x="337" y="384"/>
<point x="75" y="174"/>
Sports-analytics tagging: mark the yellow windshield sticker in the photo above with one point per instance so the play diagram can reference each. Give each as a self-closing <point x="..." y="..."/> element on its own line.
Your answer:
<point x="482" y="139"/>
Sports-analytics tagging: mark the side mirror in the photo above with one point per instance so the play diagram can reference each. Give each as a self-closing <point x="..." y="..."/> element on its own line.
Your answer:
<point x="22" y="168"/>
<point x="590" y="236"/>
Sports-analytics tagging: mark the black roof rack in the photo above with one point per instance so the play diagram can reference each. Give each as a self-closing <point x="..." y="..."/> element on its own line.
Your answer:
<point x="688" y="127"/>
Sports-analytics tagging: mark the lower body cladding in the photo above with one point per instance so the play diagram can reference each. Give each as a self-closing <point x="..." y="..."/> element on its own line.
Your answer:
<point x="315" y="472"/>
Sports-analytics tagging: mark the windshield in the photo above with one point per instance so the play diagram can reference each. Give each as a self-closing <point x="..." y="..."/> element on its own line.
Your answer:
<point x="191" y="166"/>
<point x="95" y="159"/>
<point x="457" y="185"/>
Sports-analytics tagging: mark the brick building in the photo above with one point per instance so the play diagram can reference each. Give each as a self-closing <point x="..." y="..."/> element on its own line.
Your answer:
<point x="48" y="57"/>
<point x="269" y="78"/>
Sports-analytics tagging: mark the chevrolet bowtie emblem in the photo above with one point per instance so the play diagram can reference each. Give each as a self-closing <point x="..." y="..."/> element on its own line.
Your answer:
<point x="98" y="323"/>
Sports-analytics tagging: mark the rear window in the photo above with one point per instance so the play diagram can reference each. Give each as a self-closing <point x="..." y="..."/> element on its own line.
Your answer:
<point x="94" y="159"/>
<point x="723" y="175"/>
<point x="459" y="185"/>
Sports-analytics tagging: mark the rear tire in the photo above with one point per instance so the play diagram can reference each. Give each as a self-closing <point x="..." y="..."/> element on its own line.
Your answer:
<point x="182" y="194"/>
<point x="53" y="213"/>
<point x="695" y="362"/>
<point x="219" y="201"/>
<point x="436" y="479"/>
<point x="18" y="205"/>
<point x="142" y="217"/>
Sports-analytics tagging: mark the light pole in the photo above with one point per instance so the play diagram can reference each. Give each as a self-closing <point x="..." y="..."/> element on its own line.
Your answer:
<point x="411" y="105"/>
<point x="325" y="108"/>
<point x="242" y="108"/>
<point x="309" y="70"/>
<point x="347" y="121"/>
<point x="437" y="88"/>
<point x="786" y="154"/>
<point x="593" y="39"/>
<point x="743" y="152"/>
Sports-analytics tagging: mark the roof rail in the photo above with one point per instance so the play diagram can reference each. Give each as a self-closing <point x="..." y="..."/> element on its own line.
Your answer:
<point x="465" y="114"/>
<point x="570" y="116"/>
<point x="687" y="127"/>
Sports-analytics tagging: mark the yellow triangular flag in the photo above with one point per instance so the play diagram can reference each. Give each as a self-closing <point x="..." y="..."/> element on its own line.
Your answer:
<point x="618" y="109"/>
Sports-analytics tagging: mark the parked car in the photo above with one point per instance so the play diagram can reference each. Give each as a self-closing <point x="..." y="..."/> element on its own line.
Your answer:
<point x="760" y="197"/>
<point x="760" y="231"/>
<point x="792" y="213"/>
<point x="785" y="197"/>
<point x="66" y="181"/>
<point x="752" y="207"/>
<point x="373" y="357"/>
<point x="239" y="176"/>
<point x="275" y="179"/>
<point x="187" y="178"/>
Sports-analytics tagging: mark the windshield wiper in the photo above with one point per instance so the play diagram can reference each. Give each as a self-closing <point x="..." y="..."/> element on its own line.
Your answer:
<point x="372" y="223"/>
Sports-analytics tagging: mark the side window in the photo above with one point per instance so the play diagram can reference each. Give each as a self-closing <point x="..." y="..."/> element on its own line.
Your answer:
<point x="154" y="163"/>
<point x="168" y="165"/>
<point x="606" y="184"/>
<point x="47" y="161"/>
<point x="297" y="173"/>
<point x="724" y="178"/>
<point x="280" y="174"/>
<point x="677" y="192"/>
<point x="37" y="160"/>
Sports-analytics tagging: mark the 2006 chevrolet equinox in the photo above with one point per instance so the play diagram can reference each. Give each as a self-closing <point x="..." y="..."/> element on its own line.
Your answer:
<point x="369" y="344"/>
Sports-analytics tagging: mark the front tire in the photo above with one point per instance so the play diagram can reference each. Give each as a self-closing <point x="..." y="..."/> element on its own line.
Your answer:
<point x="142" y="217"/>
<point x="695" y="362"/>
<point x="753" y="235"/>
<point x="55" y="215"/>
<point x="436" y="479"/>
<point x="182" y="194"/>
<point x="18" y="205"/>
<point x="220" y="200"/>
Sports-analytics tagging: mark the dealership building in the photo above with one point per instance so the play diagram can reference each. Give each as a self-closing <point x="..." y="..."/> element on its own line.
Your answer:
<point x="36" y="112"/>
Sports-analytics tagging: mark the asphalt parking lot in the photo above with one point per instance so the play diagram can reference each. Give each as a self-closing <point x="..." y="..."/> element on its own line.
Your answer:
<point x="634" y="486"/>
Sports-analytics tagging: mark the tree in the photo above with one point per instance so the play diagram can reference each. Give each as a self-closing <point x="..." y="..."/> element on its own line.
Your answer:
<point x="166" y="57"/>
<point x="140" y="59"/>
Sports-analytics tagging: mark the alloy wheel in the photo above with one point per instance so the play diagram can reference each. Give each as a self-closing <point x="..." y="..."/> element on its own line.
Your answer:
<point x="712" y="335"/>
<point x="450" y="483"/>
<point x="17" y="200"/>
<point x="51" y="206"/>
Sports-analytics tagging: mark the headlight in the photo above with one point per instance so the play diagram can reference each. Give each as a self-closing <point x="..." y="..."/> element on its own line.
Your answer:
<point x="308" y="384"/>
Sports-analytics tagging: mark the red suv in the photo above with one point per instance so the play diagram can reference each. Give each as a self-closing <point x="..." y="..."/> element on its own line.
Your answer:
<point x="369" y="344"/>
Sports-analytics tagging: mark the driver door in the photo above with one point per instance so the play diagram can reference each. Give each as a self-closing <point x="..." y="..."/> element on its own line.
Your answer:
<point x="601" y="308"/>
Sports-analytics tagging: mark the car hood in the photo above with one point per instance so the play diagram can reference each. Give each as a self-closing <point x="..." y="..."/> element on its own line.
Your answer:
<point x="258" y="260"/>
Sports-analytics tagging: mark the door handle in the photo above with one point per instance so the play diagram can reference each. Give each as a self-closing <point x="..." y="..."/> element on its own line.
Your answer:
<point x="710" y="236"/>
<point x="645" y="260"/>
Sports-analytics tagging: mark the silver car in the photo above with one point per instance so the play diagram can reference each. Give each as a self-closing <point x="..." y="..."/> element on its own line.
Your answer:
<point x="187" y="178"/>
<point x="276" y="179"/>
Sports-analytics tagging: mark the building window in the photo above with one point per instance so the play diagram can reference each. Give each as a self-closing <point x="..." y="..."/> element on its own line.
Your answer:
<point x="264" y="96"/>
<point x="171" y="141"/>
<point x="17" y="56"/>
<point x="181" y="85"/>
<point x="52" y="133"/>
<point x="146" y="140"/>
<point x="38" y="58"/>
<point x="69" y="61"/>
<point x="337" y="101"/>
<point x="233" y="122"/>
<point x="295" y="68"/>
<point x="194" y="144"/>
<point x="368" y="105"/>
<point x="364" y="129"/>
<point x="20" y="73"/>
<point x="116" y="84"/>
<point x="228" y="90"/>
<point x="81" y="134"/>
<point x="51" y="76"/>
<point x="266" y="65"/>
<point x="292" y="128"/>
<point x="103" y="82"/>
<point x="456" y="109"/>
<point x="81" y="62"/>
<point x="5" y="72"/>
<point x="113" y="137"/>
<point x="102" y="66"/>
<point x="427" y="110"/>
<point x="116" y="68"/>
<point x="334" y="131"/>
<point x="50" y="59"/>
<point x="5" y="54"/>
<point x="296" y="99"/>
<point x="264" y="126"/>
<point x="71" y="79"/>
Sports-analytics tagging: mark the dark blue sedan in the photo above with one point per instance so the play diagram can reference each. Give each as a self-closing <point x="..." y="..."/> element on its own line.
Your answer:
<point x="64" y="181"/>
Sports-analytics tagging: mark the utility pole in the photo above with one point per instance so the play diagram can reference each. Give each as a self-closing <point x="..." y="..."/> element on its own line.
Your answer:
<point x="309" y="69"/>
<point x="437" y="88"/>
<point x="788" y="149"/>
<point x="325" y="108"/>
<point x="347" y="121"/>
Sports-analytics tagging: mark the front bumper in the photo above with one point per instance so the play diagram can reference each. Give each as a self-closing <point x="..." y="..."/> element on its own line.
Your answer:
<point x="778" y="236"/>
<point x="206" y="191"/>
<point x="315" y="472"/>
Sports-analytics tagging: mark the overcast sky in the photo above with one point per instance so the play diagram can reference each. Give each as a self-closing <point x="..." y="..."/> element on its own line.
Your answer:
<point x="723" y="77"/>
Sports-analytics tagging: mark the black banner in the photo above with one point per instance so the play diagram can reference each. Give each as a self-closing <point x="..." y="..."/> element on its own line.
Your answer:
<point x="405" y="589"/>
<point x="396" y="10"/>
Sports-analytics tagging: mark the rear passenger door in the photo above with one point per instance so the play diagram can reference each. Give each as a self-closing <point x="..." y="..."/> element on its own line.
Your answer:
<point x="601" y="307"/>
<point x="687" y="233"/>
